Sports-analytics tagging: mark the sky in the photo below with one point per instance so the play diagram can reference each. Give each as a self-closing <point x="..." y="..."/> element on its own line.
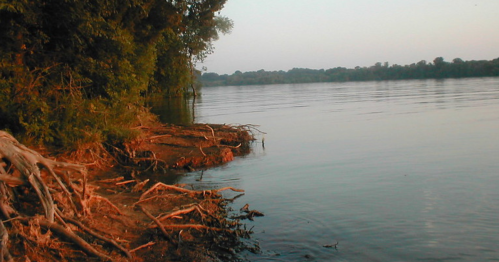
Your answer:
<point x="321" y="34"/>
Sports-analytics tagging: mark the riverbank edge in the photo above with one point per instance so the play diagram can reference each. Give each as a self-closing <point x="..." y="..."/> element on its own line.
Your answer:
<point x="118" y="174"/>
<point x="171" y="148"/>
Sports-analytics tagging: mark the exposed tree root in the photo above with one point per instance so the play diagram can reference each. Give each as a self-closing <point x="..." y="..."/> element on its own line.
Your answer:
<point x="44" y="202"/>
<point x="142" y="246"/>
<point x="158" y="223"/>
<point x="67" y="234"/>
<point x="249" y="214"/>
<point x="163" y="187"/>
<point x="195" y="226"/>
<point x="99" y="236"/>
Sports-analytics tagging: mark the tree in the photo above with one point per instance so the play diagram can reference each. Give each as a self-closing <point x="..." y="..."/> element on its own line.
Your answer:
<point x="379" y="71"/>
<point x="76" y="69"/>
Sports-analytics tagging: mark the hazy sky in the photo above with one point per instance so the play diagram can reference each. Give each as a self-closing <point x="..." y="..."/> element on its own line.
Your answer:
<point x="321" y="34"/>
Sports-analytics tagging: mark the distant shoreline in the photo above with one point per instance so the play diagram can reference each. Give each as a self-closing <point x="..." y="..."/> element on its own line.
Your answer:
<point x="438" y="69"/>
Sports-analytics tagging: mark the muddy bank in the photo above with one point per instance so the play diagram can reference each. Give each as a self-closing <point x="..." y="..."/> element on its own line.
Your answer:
<point x="190" y="147"/>
<point x="100" y="214"/>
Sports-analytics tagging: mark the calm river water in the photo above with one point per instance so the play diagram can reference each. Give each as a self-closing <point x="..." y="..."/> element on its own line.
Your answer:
<point x="392" y="170"/>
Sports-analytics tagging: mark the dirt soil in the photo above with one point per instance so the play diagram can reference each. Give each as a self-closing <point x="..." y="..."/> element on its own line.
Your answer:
<point x="191" y="147"/>
<point x="126" y="217"/>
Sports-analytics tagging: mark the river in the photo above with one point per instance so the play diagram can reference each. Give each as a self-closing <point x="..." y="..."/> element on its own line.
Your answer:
<point x="391" y="170"/>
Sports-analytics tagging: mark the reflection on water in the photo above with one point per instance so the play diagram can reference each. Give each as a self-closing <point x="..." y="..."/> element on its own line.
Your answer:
<point x="392" y="170"/>
<point x="173" y="110"/>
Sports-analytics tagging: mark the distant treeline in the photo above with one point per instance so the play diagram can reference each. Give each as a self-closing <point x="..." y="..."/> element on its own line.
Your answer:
<point x="421" y="70"/>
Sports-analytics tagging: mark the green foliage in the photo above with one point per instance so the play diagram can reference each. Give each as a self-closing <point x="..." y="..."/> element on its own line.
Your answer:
<point x="75" y="72"/>
<point x="421" y="70"/>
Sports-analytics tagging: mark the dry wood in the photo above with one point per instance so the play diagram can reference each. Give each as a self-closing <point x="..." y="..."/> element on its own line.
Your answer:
<point x="126" y="182"/>
<point x="11" y="180"/>
<point x="156" y="221"/>
<point x="195" y="226"/>
<point x="143" y="246"/>
<point x="64" y="200"/>
<point x="159" y="186"/>
<point x="178" y="213"/>
<point x="99" y="236"/>
<point x="202" y="152"/>
<point x="63" y="232"/>
<point x="105" y="200"/>
<point x="111" y="180"/>
<point x="29" y="164"/>
<point x="227" y="188"/>
<point x="155" y="197"/>
<point x="139" y="186"/>
<point x="238" y="146"/>
<point x="212" y="132"/>
<point x="4" y="239"/>
<point x="158" y="136"/>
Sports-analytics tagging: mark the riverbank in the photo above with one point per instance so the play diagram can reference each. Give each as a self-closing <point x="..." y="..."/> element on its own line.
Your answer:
<point x="190" y="147"/>
<point x="115" y="212"/>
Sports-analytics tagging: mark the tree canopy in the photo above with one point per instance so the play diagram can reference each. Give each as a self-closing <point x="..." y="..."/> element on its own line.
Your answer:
<point x="420" y="70"/>
<point x="75" y="71"/>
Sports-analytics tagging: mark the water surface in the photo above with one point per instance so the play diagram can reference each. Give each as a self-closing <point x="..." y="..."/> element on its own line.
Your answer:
<point x="392" y="170"/>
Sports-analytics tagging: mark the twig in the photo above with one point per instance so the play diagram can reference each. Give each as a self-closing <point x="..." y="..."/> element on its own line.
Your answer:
<point x="195" y="226"/>
<point x="11" y="180"/>
<point x="111" y="180"/>
<point x="108" y="202"/>
<point x="4" y="239"/>
<point x="228" y="188"/>
<point x="126" y="182"/>
<point x="139" y="186"/>
<point x="158" y="223"/>
<point x="60" y="230"/>
<point x="202" y="152"/>
<point x="160" y="185"/>
<point x="212" y="132"/>
<point x="142" y="246"/>
<point x="159" y="136"/>
<point x="331" y="246"/>
<point x="99" y="236"/>
<point x="176" y="213"/>
<point x="153" y="197"/>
